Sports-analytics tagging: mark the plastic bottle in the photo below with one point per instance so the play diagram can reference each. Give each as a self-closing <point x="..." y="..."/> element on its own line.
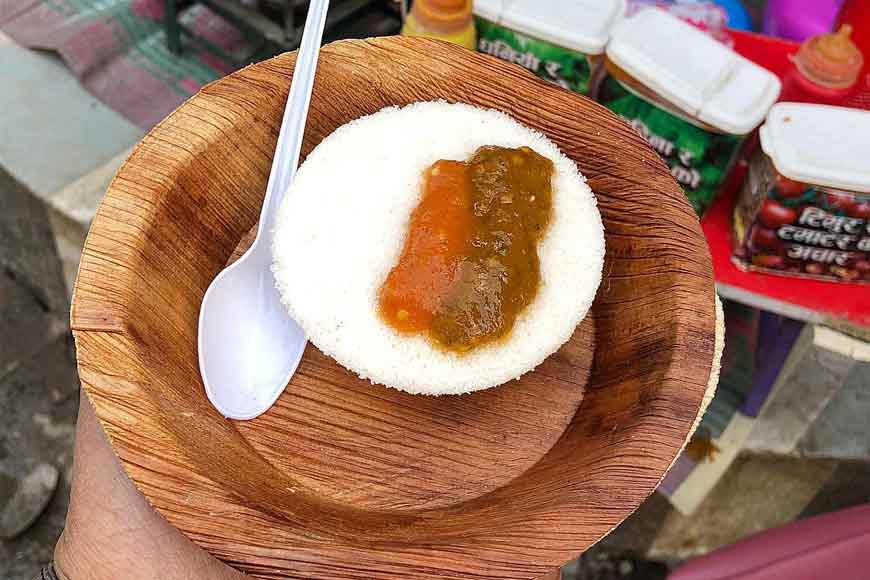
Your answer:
<point x="826" y="69"/>
<point x="448" y="20"/>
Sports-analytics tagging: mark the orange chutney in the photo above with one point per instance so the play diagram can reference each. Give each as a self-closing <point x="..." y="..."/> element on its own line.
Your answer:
<point x="469" y="264"/>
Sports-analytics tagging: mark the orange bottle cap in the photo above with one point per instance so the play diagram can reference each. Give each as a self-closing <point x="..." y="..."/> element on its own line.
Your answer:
<point x="830" y="60"/>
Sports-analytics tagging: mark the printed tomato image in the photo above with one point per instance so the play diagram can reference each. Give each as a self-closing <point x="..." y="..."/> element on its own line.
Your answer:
<point x="789" y="188"/>
<point x="768" y="261"/>
<point x="766" y="238"/>
<point x="846" y="273"/>
<point x="773" y="214"/>
<point x="815" y="268"/>
<point x="861" y="210"/>
<point x="840" y="202"/>
<point x="863" y="266"/>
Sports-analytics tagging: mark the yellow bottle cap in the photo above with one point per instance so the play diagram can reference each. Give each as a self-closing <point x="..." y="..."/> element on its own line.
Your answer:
<point x="445" y="15"/>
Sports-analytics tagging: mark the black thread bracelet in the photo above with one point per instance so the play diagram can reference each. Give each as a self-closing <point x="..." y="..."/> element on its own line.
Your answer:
<point x="48" y="573"/>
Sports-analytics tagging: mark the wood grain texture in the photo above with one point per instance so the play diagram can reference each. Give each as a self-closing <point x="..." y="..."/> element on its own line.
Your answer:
<point x="374" y="447"/>
<point x="343" y="479"/>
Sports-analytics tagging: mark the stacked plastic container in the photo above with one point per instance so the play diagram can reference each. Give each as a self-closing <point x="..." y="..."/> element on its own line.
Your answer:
<point x="805" y="205"/>
<point x="691" y="97"/>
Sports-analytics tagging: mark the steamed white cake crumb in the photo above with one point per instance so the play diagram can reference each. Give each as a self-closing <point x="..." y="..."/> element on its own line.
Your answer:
<point x="343" y="223"/>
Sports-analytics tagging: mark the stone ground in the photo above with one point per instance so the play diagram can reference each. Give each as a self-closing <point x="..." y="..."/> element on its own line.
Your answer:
<point x="38" y="385"/>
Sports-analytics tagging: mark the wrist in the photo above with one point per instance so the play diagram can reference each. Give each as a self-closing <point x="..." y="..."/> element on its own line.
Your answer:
<point x="112" y="533"/>
<point x="61" y="566"/>
<point x="49" y="573"/>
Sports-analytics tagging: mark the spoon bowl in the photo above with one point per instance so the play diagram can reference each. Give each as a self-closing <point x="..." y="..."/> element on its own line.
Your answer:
<point x="247" y="342"/>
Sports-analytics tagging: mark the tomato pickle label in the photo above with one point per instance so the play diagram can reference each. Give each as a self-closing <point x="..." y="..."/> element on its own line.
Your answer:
<point x="792" y="228"/>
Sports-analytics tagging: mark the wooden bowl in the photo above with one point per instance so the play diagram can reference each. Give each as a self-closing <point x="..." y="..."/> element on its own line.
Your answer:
<point x="344" y="479"/>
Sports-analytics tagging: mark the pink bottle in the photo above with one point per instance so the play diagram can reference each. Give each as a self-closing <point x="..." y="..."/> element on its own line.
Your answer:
<point x="800" y="19"/>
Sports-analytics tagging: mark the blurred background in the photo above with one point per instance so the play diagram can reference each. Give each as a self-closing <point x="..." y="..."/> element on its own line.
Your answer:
<point x="787" y="436"/>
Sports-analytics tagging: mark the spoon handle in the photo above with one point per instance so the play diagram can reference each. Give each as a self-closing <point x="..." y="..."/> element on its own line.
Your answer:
<point x="293" y="125"/>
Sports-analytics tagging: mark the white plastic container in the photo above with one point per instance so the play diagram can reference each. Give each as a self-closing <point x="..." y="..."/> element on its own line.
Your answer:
<point x="691" y="97"/>
<point x="561" y="42"/>
<point x="805" y="206"/>
<point x="819" y="144"/>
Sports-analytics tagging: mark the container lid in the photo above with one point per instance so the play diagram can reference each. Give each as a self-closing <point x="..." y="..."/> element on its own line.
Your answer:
<point x="819" y="144"/>
<point x="489" y="9"/>
<point x="699" y="75"/>
<point x="580" y="25"/>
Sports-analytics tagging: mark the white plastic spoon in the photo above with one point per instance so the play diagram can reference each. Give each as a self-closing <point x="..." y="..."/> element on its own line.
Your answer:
<point x="249" y="347"/>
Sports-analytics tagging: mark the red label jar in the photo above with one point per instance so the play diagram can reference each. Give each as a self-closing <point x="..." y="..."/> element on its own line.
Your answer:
<point x="804" y="209"/>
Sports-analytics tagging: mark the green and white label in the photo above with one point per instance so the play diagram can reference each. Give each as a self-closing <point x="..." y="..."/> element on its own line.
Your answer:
<point x="566" y="68"/>
<point x="699" y="159"/>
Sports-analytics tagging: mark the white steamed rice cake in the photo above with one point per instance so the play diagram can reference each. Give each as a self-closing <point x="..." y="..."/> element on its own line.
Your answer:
<point x="341" y="229"/>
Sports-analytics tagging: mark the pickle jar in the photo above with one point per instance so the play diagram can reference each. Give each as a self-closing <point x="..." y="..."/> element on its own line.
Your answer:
<point x="804" y="209"/>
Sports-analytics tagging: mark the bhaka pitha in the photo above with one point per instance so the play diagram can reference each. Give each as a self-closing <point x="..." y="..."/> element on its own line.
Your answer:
<point x="438" y="248"/>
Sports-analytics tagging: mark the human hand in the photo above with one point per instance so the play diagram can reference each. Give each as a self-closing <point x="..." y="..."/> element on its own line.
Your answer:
<point x="111" y="530"/>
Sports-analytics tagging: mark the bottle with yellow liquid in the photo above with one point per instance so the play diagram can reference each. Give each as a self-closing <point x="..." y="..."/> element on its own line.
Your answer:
<point x="448" y="20"/>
